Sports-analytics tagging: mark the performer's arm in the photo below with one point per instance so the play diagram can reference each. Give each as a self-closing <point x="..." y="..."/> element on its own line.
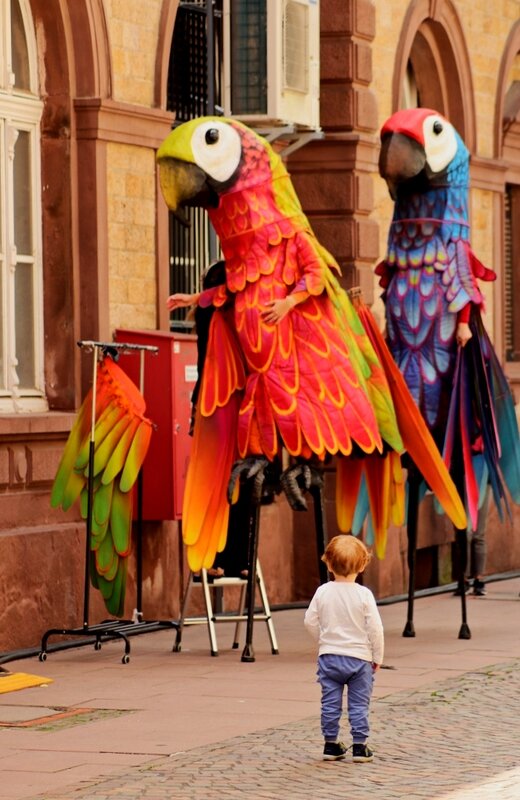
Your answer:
<point x="182" y="300"/>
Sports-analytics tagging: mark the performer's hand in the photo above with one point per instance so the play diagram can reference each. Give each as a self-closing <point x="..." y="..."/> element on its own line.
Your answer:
<point x="276" y="310"/>
<point x="463" y="334"/>
<point x="181" y="300"/>
<point x="375" y="667"/>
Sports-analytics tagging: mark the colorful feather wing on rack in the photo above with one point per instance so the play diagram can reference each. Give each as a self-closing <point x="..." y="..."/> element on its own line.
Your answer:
<point x="121" y="437"/>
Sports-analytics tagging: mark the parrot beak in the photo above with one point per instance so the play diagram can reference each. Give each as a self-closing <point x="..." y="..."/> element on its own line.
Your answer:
<point x="182" y="184"/>
<point x="401" y="159"/>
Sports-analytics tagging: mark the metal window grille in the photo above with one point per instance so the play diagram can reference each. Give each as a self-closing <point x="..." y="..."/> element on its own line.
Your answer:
<point x="249" y="56"/>
<point x="194" y="89"/>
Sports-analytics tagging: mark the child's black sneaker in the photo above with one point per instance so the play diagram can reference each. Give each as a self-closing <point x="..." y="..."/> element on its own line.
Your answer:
<point x="479" y="588"/>
<point x="360" y="753"/>
<point x="334" y="750"/>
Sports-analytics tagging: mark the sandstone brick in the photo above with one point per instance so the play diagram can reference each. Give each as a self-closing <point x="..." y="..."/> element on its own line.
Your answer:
<point x="4" y="466"/>
<point x="143" y="211"/>
<point x="337" y="234"/>
<point x="141" y="291"/>
<point x="366" y="110"/>
<point x="337" y="107"/>
<point x="43" y="461"/>
<point x="118" y="290"/>
<point x="336" y="58"/>
<point x="117" y="235"/>
<point x="367" y="239"/>
<point x="362" y="62"/>
<point x="365" y="16"/>
<point x="364" y="192"/>
<point x="316" y="195"/>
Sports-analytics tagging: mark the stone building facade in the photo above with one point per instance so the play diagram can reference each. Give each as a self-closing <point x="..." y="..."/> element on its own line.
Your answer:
<point x="99" y="83"/>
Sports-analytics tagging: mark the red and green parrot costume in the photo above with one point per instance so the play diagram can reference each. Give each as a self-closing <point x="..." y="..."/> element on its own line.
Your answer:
<point x="290" y="363"/>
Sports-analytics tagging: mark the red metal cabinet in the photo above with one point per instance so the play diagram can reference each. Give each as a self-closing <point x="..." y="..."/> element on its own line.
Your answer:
<point x="169" y="379"/>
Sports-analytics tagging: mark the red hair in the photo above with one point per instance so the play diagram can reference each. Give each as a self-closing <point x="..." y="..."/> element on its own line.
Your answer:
<point x="346" y="555"/>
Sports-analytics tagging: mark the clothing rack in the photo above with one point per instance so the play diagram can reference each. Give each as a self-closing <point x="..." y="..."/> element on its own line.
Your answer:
<point x="114" y="628"/>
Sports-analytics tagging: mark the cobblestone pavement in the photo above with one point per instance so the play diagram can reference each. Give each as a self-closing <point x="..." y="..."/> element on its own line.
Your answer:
<point x="456" y="740"/>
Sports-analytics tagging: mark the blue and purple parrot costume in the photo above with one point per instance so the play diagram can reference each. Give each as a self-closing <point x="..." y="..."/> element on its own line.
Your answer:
<point x="429" y="277"/>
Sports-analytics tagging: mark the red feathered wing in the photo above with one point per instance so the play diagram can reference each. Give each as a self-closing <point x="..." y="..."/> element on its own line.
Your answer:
<point x="417" y="439"/>
<point x="205" y="507"/>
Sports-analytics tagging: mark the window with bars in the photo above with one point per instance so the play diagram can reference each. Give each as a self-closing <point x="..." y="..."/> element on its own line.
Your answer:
<point x="194" y="89"/>
<point x="248" y="60"/>
<point x="512" y="272"/>
<point x="21" y="294"/>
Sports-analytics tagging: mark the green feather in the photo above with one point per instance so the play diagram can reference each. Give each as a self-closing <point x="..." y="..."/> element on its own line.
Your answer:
<point x="121" y="520"/>
<point x="136" y="455"/>
<point x="110" y="442"/>
<point x="103" y="425"/>
<point x="118" y="457"/>
<point x="105" y="555"/>
<point x="76" y="482"/>
<point x="102" y="503"/>
<point x="113" y="592"/>
<point x="97" y="534"/>
<point x="68" y="458"/>
<point x="110" y="574"/>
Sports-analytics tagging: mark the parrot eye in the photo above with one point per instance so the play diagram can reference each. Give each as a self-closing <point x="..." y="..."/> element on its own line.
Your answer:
<point x="212" y="136"/>
<point x="440" y="142"/>
<point x="217" y="148"/>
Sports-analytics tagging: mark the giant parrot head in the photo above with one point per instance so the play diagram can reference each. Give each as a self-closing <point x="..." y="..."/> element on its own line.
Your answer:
<point x="204" y="158"/>
<point x="418" y="149"/>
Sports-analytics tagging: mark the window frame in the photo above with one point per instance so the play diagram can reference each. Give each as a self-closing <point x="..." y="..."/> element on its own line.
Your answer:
<point x="21" y="110"/>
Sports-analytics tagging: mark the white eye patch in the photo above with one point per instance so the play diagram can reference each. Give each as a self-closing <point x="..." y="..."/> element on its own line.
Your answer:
<point x="217" y="149"/>
<point x="440" y="143"/>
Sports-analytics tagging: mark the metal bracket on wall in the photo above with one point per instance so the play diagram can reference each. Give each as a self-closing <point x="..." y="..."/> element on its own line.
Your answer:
<point x="296" y="138"/>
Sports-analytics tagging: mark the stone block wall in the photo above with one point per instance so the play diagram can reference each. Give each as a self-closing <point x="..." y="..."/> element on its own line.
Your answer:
<point x="131" y="211"/>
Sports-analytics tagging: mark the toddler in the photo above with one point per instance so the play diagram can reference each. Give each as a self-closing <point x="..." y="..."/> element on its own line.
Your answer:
<point x="343" y="618"/>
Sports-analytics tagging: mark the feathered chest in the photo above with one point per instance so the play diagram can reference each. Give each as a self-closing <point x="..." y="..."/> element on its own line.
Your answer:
<point x="258" y="238"/>
<point x="426" y="228"/>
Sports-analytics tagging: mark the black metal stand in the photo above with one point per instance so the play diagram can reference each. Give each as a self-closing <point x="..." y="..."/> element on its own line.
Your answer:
<point x="109" y="629"/>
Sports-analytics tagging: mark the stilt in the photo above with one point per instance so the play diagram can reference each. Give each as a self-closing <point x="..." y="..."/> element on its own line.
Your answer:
<point x="461" y="539"/>
<point x="320" y="524"/>
<point x="248" y="653"/>
<point x="414" y="480"/>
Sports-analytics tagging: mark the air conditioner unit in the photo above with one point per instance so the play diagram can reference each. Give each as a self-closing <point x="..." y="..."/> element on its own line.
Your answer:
<point x="272" y="62"/>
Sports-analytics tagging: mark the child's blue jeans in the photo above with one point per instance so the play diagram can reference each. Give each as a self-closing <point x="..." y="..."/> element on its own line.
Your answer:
<point x="334" y="673"/>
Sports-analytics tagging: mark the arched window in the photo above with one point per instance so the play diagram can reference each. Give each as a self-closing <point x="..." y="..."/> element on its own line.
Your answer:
<point x="432" y="68"/>
<point x="21" y="328"/>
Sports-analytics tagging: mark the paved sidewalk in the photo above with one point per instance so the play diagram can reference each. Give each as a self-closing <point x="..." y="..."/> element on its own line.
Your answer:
<point x="166" y="726"/>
